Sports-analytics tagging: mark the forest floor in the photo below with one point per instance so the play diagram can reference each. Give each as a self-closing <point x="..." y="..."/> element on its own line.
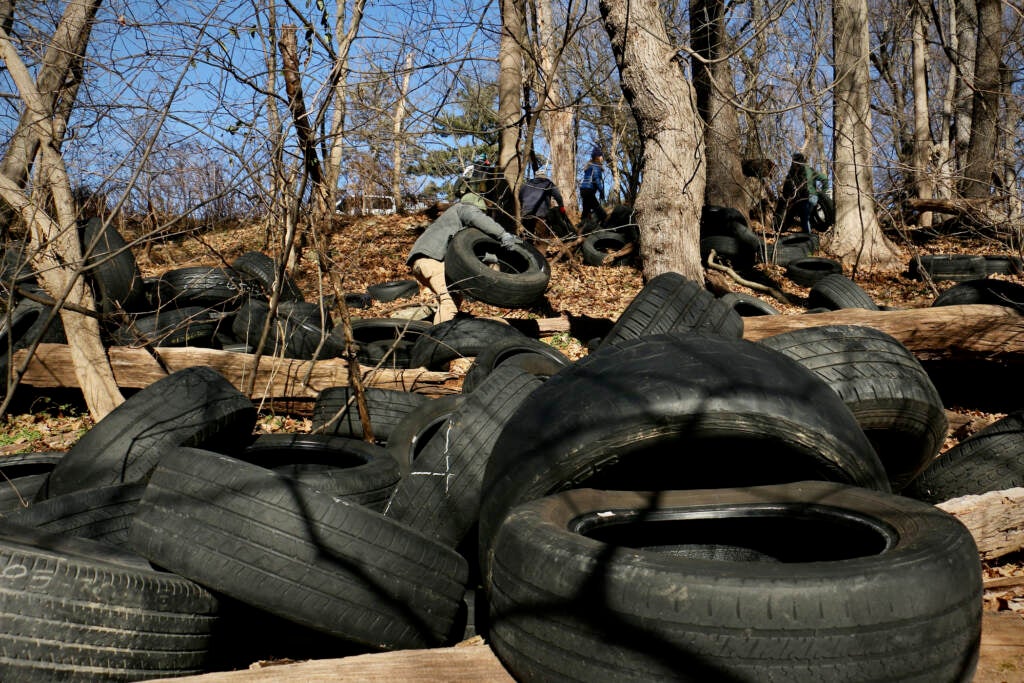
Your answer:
<point x="371" y="250"/>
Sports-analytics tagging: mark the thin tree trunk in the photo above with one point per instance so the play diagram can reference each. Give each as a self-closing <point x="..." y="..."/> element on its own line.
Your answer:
<point x="510" y="87"/>
<point x="344" y="38"/>
<point x="857" y="238"/>
<point x="398" y="141"/>
<point x="669" y="202"/>
<point x="556" y="116"/>
<point x="966" y="49"/>
<point x="924" y="183"/>
<point x="981" y="152"/>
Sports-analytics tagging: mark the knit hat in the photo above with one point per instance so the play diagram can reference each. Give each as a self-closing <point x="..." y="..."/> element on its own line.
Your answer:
<point x="543" y="172"/>
<point x="596" y="152"/>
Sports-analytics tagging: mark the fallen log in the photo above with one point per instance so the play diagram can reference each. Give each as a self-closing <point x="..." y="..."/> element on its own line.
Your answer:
<point x="276" y="378"/>
<point x="995" y="520"/>
<point x="976" y="331"/>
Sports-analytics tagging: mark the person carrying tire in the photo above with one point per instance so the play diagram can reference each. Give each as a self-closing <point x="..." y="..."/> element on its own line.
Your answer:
<point x="426" y="258"/>
<point x="592" y="187"/>
<point x="801" y="191"/>
<point x="535" y="201"/>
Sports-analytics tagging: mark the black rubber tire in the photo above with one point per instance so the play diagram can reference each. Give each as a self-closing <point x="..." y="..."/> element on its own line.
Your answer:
<point x="393" y="290"/>
<point x="301" y="554"/>
<point x="1003" y="264"/>
<point x="671" y="303"/>
<point x="21" y="477"/>
<point x="792" y="247"/>
<point x="955" y="267"/>
<point x="78" y="610"/>
<point x="261" y="270"/>
<point x="440" y="497"/>
<point x="100" y="514"/>
<point x="984" y="291"/>
<point x="532" y="355"/>
<point x="195" y="406"/>
<point x="335" y="411"/>
<point x="213" y="287"/>
<point x="809" y="270"/>
<point x="659" y="413"/>
<point x="16" y="265"/>
<point x="358" y="299"/>
<point x="884" y="386"/>
<point x="823" y="216"/>
<point x="747" y="305"/>
<point x="411" y="434"/>
<point x="728" y="249"/>
<point x="188" y="326"/>
<point x="561" y="226"/>
<point x="26" y="324"/>
<point x="989" y="460"/>
<point x="520" y="282"/>
<point x="597" y="246"/>
<point x="384" y="338"/>
<point x="347" y="468"/>
<point x="111" y="268"/>
<point x="804" y="582"/>
<point x="388" y="354"/>
<point x="459" y="338"/>
<point x="298" y="331"/>
<point x="836" y="291"/>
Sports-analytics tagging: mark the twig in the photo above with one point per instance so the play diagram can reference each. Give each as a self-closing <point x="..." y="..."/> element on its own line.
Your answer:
<point x="743" y="281"/>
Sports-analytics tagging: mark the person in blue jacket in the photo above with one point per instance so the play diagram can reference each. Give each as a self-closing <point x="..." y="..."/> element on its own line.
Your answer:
<point x="592" y="187"/>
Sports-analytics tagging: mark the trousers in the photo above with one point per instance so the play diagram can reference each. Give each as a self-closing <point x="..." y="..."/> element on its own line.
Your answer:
<point x="430" y="273"/>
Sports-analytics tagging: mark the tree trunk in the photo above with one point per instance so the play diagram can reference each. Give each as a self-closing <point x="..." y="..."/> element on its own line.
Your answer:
<point x="398" y="143"/>
<point x="556" y="117"/>
<point x="857" y="238"/>
<point x="510" y="107"/>
<point x="716" y="93"/>
<point x="981" y="152"/>
<point x="344" y="38"/>
<point x="669" y="202"/>
<point x="923" y="176"/>
<point x="965" y="30"/>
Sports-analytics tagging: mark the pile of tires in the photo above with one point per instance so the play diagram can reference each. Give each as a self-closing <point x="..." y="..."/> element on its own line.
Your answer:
<point x="725" y="231"/>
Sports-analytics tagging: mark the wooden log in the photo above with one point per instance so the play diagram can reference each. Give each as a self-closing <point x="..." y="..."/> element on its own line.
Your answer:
<point x="276" y="378"/>
<point x="995" y="520"/>
<point x="977" y="331"/>
<point x="471" y="661"/>
<point x="1001" y="658"/>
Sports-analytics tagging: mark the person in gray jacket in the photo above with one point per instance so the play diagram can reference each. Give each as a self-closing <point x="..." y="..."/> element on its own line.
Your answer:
<point x="426" y="258"/>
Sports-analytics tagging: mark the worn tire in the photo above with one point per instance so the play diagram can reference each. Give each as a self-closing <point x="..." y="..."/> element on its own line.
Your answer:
<point x="989" y="460"/>
<point x="21" y="477"/>
<point x="883" y="385"/>
<point x="261" y="270"/>
<point x="393" y="290"/>
<point x="271" y="542"/>
<point x="411" y="434"/>
<point x="532" y="355"/>
<point x="729" y="249"/>
<point x="792" y="247"/>
<point x="77" y="610"/>
<point x="111" y="267"/>
<point x="206" y="286"/>
<point x="659" y="413"/>
<point x="956" y="267"/>
<point x="458" y="338"/>
<point x="298" y="330"/>
<point x="195" y="406"/>
<point x="809" y="270"/>
<point x="804" y="582"/>
<point x="520" y="282"/>
<point x="600" y="244"/>
<point x="984" y="291"/>
<point x="101" y="514"/>
<point x="671" y="303"/>
<point x="836" y="291"/>
<point x="169" y="327"/>
<point x="335" y="411"/>
<point x="747" y="305"/>
<point x="441" y="495"/>
<point x="1003" y="264"/>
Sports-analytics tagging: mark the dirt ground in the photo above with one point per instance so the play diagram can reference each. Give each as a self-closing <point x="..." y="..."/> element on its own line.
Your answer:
<point x="370" y="250"/>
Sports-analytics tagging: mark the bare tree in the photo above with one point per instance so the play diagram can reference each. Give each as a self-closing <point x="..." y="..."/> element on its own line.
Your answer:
<point x="669" y="202"/>
<point x="510" y="106"/>
<point x="980" y="162"/>
<point x="857" y="238"/>
<point x="923" y="142"/>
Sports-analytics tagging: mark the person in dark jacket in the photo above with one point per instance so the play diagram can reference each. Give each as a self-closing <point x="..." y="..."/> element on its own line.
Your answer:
<point x="592" y="187"/>
<point x="535" y="198"/>
<point x="800" y="192"/>
<point x="426" y="257"/>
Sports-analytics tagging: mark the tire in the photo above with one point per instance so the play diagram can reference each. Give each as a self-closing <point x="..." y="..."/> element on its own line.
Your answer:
<point x="393" y="290"/>
<point x="1000" y="264"/>
<point x="411" y="434"/>
<point x="100" y="514"/>
<point x="747" y="305"/>
<point x="111" y="267"/>
<point x="388" y="354"/>
<point x="347" y="468"/>
<point x="989" y="460"/>
<point x="78" y="610"/>
<point x="658" y="413"/>
<point x="729" y="249"/>
<point x="221" y="289"/>
<point x="884" y="386"/>
<point x="521" y="281"/>
<point x="440" y="497"/>
<point x="27" y="323"/>
<point x="298" y="331"/>
<point x="531" y="355"/>
<point x="600" y="244"/>
<point x="985" y="291"/>
<point x="955" y="267"/>
<point x="836" y="291"/>
<point x="823" y="216"/>
<point x="335" y="412"/>
<point x="16" y="265"/>
<point x="809" y="270"/>
<point x="21" y="477"/>
<point x="261" y="270"/>
<point x="273" y="543"/>
<point x="561" y="226"/>
<point x="358" y="299"/>
<point x="792" y="247"/>
<point x="803" y="582"/>
<point x="195" y="406"/>
<point x="189" y="326"/>
<point x="458" y="338"/>
<point x="380" y="338"/>
<point x="671" y="303"/>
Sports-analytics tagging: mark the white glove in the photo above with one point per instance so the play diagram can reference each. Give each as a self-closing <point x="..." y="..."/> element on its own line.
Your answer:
<point x="508" y="240"/>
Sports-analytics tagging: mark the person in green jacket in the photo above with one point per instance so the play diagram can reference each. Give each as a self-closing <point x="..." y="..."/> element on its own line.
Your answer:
<point x="801" y="192"/>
